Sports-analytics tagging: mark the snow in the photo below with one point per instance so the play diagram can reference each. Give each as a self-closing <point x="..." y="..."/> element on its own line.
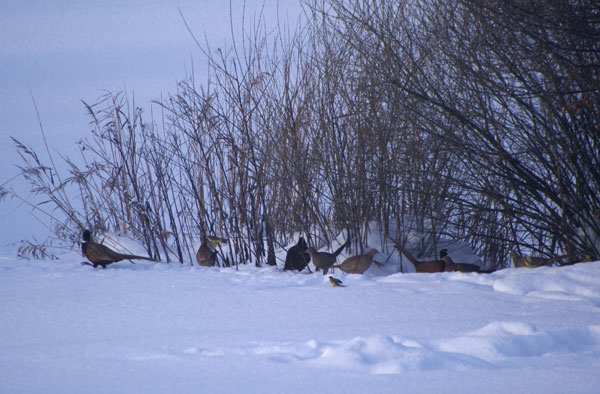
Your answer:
<point x="152" y="327"/>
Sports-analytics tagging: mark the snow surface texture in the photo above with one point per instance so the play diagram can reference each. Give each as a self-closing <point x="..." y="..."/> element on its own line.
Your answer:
<point x="155" y="328"/>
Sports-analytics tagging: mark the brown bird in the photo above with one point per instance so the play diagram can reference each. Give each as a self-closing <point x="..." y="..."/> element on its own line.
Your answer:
<point x="101" y="255"/>
<point x="531" y="262"/>
<point x="357" y="264"/>
<point x="422" y="266"/>
<point x="451" y="266"/>
<point x="296" y="257"/>
<point x="324" y="260"/>
<point x="206" y="256"/>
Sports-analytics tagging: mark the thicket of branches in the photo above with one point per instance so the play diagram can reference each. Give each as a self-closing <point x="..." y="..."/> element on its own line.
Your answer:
<point x="510" y="91"/>
<point x="474" y="120"/>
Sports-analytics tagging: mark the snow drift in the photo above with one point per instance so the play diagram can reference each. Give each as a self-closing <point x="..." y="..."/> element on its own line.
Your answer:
<point x="155" y="327"/>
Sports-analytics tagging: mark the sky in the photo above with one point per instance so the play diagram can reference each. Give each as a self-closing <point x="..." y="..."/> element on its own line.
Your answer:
<point x="61" y="53"/>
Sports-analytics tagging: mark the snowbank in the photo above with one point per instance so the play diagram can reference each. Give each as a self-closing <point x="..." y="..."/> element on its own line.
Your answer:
<point x="156" y="327"/>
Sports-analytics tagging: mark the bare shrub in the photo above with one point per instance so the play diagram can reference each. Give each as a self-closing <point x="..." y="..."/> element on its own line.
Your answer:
<point x="467" y="120"/>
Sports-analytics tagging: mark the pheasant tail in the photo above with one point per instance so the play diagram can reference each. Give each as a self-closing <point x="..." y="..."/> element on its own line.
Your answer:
<point x="134" y="257"/>
<point x="339" y="250"/>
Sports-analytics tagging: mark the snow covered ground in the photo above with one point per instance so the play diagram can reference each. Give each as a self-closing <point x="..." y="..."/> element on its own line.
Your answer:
<point x="157" y="328"/>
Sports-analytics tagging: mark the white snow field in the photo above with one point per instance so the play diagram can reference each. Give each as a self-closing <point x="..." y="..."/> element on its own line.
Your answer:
<point x="170" y="328"/>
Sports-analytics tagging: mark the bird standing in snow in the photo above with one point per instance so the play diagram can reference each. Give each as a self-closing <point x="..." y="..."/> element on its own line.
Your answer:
<point x="206" y="256"/>
<point x="324" y="260"/>
<point x="335" y="282"/>
<point x="357" y="264"/>
<point x="297" y="258"/>
<point x="101" y="255"/>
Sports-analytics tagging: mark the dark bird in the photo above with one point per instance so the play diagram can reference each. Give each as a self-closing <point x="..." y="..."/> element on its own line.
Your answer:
<point x="357" y="264"/>
<point x="324" y="260"/>
<point x="335" y="282"/>
<point x="296" y="257"/>
<point x="100" y="255"/>
<point x="451" y="266"/>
